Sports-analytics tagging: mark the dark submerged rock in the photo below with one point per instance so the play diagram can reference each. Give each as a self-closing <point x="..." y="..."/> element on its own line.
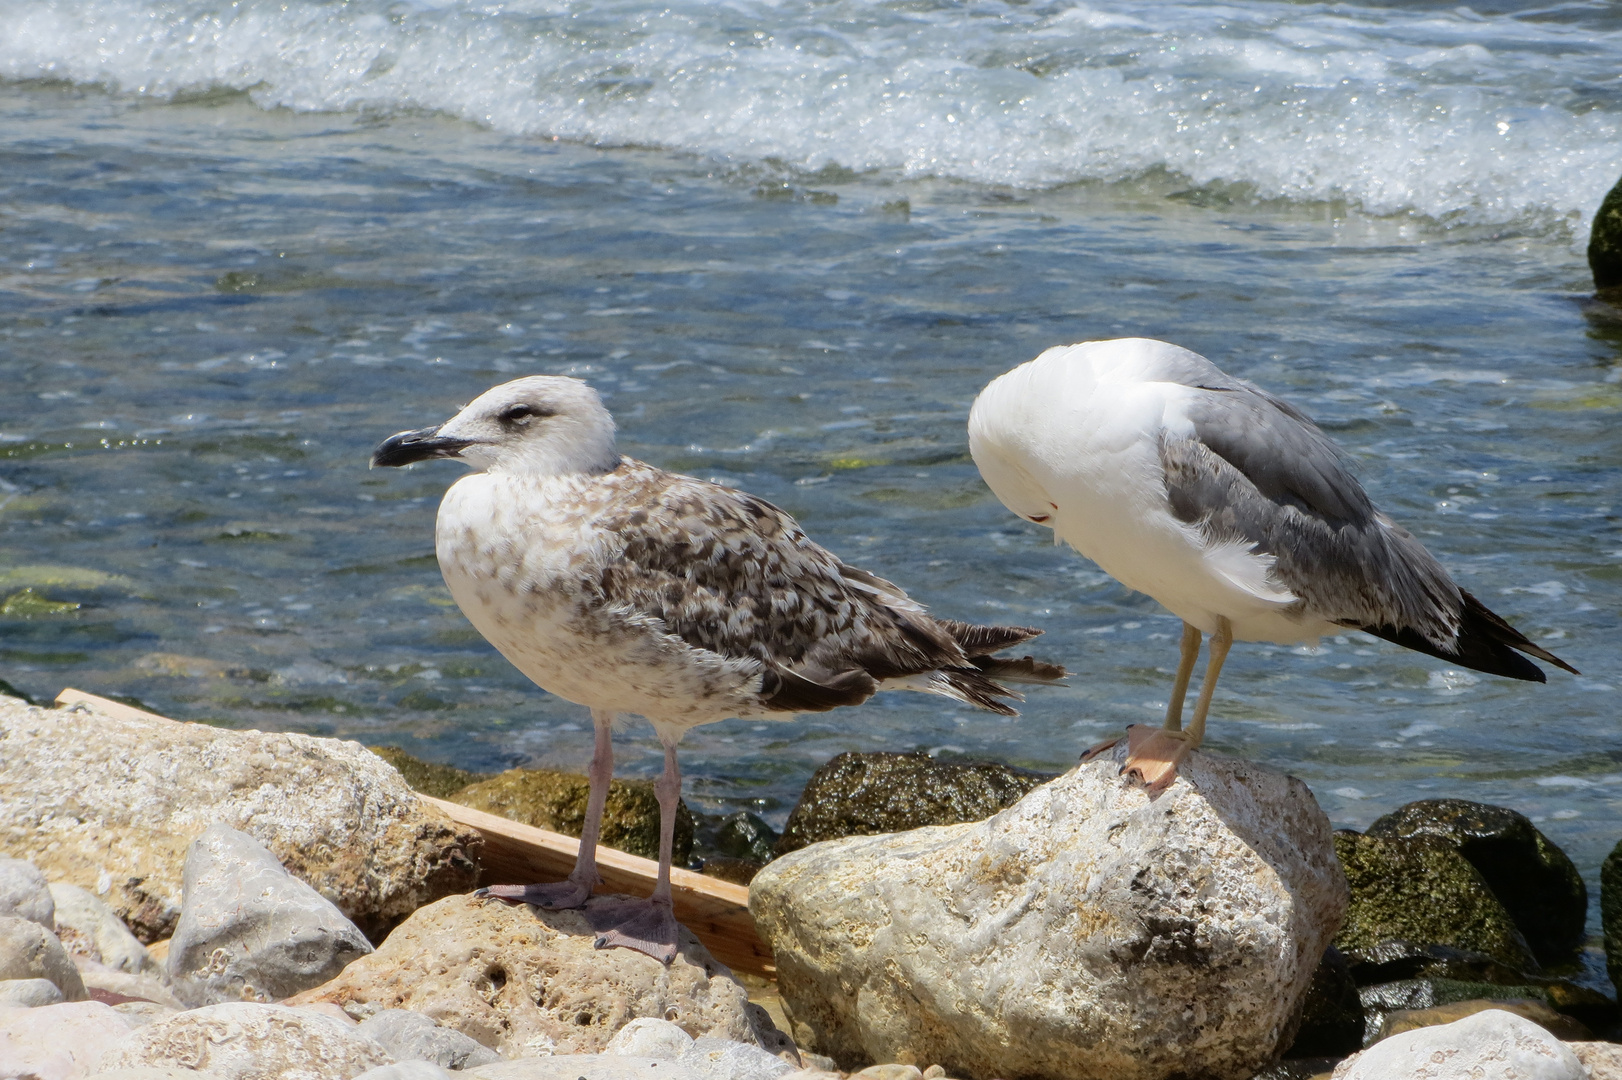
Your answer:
<point x="1556" y="1024"/>
<point x="865" y="794"/>
<point x="1610" y="909"/>
<point x="557" y="801"/>
<point x="1605" y="245"/>
<point x="1416" y="891"/>
<point x="1531" y="877"/>
<point x="1332" y="1014"/>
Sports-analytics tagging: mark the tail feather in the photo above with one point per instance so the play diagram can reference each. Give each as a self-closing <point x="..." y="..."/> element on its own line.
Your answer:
<point x="785" y="691"/>
<point x="971" y="687"/>
<point x="1026" y="669"/>
<point x="985" y="640"/>
<point x="1485" y="642"/>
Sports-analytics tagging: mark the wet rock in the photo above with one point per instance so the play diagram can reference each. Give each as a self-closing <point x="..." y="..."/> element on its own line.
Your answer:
<point x="724" y="1059"/>
<point x="1531" y="877"/>
<point x="891" y="1072"/>
<point x="1610" y="908"/>
<point x="1332" y="1014"/>
<point x="737" y="871"/>
<point x="29" y="993"/>
<point x="1420" y="890"/>
<point x="650" y="1037"/>
<point x="413" y="1036"/>
<point x="869" y="794"/>
<point x="115" y="814"/>
<point x="1560" y="1026"/>
<point x="743" y="835"/>
<point x="89" y="928"/>
<point x="58" y="1042"/>
<point x="1086" y="931"/>
<point x="24" y="893"/>
<point x="1299" y="1069"/>
<point x="583" y="1067"/>
<point x="243" y="1040"/>
<point x="1605" y="244"/>
<point x="527" y="981"/>
<point x="430" y="778"/>
<point x="1491" y="1045"/>
<point x="249" y="930"/>
<point x="557" y="801"/>
<point x="29" y="951"/>
<point x="1407" y="994"/>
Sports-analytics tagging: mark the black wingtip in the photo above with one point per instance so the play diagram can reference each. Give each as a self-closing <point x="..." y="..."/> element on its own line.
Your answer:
<point x="1485" y="643"/>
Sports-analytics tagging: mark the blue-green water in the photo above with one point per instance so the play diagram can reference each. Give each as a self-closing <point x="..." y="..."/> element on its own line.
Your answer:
<point x="213" y="303"/>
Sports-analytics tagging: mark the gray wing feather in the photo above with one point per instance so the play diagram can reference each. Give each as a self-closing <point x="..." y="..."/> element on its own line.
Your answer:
<point x="1260" y="472"/>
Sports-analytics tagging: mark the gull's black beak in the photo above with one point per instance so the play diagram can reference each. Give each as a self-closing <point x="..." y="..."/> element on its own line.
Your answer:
<point x="419" y="445"/>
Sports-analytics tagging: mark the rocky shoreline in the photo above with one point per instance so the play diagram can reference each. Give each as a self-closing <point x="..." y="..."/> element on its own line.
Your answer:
<point x="178" y="900"/>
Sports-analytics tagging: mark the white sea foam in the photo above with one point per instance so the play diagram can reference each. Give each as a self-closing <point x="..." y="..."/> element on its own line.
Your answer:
<point x="1448" y="114"/>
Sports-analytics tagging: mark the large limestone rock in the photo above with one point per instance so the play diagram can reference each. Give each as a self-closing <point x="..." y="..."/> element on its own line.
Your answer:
<point x="249" y="930"/>
<point x="92" y="930"/>
<point x="866" y="794"/>
<point x="114" y="814"/>
<point x="529" y="982"/>
<point x="29" y="951"/>
<point x="58" y="1042"/>
<point x="24" y="893"/>
<point x="1088" y="931"/>
<point x="244" y="1040"/>
<point x="1534" y="880"/>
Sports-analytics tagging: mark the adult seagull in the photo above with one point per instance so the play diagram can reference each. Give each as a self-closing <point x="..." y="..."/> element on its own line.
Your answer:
<point x="1225" y="504"/>
<point x="631" y="590"/>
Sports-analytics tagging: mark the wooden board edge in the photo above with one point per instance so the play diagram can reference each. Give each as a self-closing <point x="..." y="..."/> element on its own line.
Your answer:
<point x="116" y="709"/>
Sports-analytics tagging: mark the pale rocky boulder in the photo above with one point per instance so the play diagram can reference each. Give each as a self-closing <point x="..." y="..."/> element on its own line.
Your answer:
<point x="244" y="1040"/>
<point x="409" y="1070"/>
<point x="529" y="982"/>
<point x="58" y="1042"/>
<point x="1603" y="1060"/>
<point x="723" y="1059"/>
<point x="114" y="814"/>
<point x="29" y="951"/>
<point x="249" y="930"/>
<point x="413" y="1036"/>
<point x="650" y="1037"/>
<point x="1490" y="1045"/>
<point x="89" y="928"/>
<point x="151" y="988"/>
<point x="24" y="893"/>
<point x="1088" y="931"/>
<point x="29" y="993"/>
<point x="583" y="1067"/>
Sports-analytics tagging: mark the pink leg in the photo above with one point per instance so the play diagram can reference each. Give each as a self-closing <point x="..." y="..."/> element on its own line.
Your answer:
<point x="649" y="926"/>
<point x="573" y="891"/>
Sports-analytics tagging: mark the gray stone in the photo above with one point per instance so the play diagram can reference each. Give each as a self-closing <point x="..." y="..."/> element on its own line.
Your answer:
<point x="244" y="1040"/>
<point x="413" y="1036"/>
<point x="29" y="993"/>
<point x="249" y="930"/>
<point x="723" y="1059"/>
<point x="58" y="1042"/>
<point x="407" y="1070"/>
<point x="24" y="893"/>
<point x="115" y="814"/>
<point x="650" y="1037"/>
<point x="1491" y="1045"/>
<point x="29" y="951"/>
<point x="1089" y="930"/>
<point x="584" y="1067"/>
<point x="89" y="928"/>
<point x="527" y="981"/>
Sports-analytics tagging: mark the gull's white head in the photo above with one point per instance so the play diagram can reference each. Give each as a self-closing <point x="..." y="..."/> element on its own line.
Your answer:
<point x="544" y="425"/>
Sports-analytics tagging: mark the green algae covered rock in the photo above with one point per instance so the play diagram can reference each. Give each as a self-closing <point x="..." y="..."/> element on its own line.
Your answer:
<point x="1420" y="890"/>
<point x="868" y="794"/>
<point x="1533" y="879"/>
<point x="557" y="801"/>
<point x="1605" y="244"/>
<point x="1610" y="911"/>
<point x="430" y="778"/>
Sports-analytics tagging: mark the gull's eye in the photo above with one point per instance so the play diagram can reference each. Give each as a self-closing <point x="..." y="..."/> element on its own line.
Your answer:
<point x="514" y="415"/>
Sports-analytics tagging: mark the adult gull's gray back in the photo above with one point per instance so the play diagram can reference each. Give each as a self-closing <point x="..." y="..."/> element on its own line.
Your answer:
<point x="1227" y="505"/>
<point x="631" y="590"/>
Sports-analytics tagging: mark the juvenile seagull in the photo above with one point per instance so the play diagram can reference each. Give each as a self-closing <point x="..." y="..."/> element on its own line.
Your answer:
<point x="628" y="589"/>
<point x="1225" y="504"/>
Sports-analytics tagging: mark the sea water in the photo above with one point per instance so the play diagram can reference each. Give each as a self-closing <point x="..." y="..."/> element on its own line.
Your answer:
<point x="241" y="243"/>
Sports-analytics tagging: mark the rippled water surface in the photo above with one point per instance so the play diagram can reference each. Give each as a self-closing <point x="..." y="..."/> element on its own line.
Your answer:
<point x="789" y="243"/>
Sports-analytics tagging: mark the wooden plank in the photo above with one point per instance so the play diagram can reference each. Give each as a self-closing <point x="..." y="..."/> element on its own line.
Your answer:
<point x="716" y="911"/>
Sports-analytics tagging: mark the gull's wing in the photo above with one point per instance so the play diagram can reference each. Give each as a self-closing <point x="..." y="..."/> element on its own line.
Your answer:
<point x="1258" y="472"/>
<point x="730" y="573"/>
